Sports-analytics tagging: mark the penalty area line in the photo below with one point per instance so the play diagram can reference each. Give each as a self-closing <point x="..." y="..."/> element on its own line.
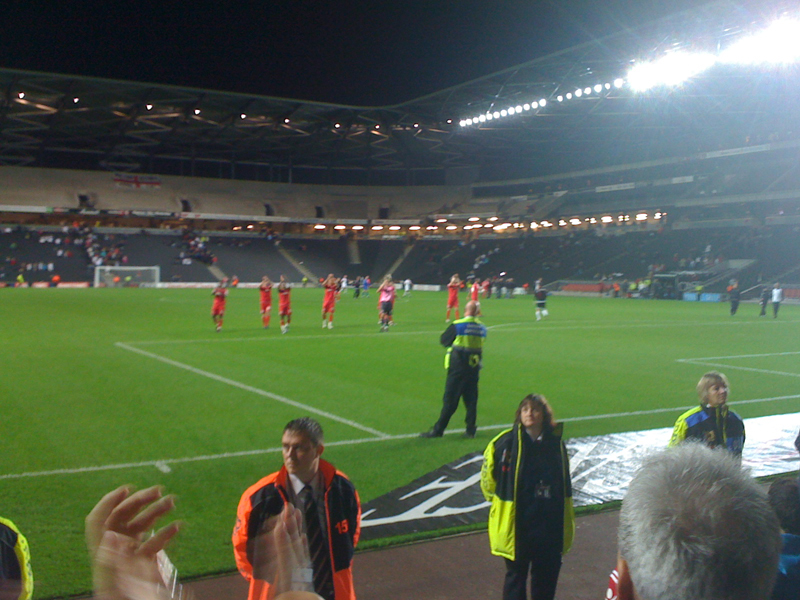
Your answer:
<point x="163" y="464"/>
<point x="250" y="388"/>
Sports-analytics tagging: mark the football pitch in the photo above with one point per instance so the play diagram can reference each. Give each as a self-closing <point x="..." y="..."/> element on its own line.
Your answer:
<point x="102" y="387"/>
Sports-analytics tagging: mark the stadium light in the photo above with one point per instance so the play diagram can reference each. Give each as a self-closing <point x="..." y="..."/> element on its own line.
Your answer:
<point x="358" y="227"/>
<point x="779" y="43"/>
<point x="250" y="226"/>
<point x="575" y="221"/>
<point x="657" y="215"/>
<point x="562" y="223"/>
<point x="546" y="224"/>
<point x="76" y="100"/>
<point x="526" y="106"/>
<point x="587" y="90"/>
<point x="482" y="118"/>
<point x="542" y="102"/>
<point x="243" y="116"/>
<point x="534" y="105"/>
<point x="486" y="226"/>
<point x="511" y="110"/>
<point x="337" y="125"/>
<point x="148" y="106"/>
<point x="441" y="220"/>
<point x="474" y="219"/>
<point x="578" y="93"/>
<point x="641" y="217"/>
<point x="534" y="225"/>
<point x="451" y="227"/>
<point x="607" y="219"/>
<point x="560" y="98"/>
<point x="619" y="82"/>
<point x="377" y="227"/>
<point x="196" y="111"/>
<point x="504" y="113"/>
<point x="394" y="228"/>
<point x="339" y="227"/>
<point x="320" y="226"/>
<point x="496" y="114"/>
<point x="598" y="88"/>
<point x="670" y="70"/>
<point x="467" y="227"/>
<point x="414" y="228"/>
<point x="21" y="95"/>
<point x="493" y="219"/>
<point x="593" y="221"/>
<point x="569" y="95"/>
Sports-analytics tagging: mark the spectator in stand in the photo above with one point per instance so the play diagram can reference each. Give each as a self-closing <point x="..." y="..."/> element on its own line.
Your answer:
<point x="784" y="497"/>
<point x="695" y="526"/>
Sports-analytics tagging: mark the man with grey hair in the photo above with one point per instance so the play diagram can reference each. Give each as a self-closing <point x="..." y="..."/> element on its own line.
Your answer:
<point x="694" y="526"/>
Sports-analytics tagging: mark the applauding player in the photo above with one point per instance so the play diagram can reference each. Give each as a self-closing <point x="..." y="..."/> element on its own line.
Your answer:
<point x="220" y="293"/>
<point x="386" y="294"/>
<point x="452" y="296"/>
<point x="266" y="300"/>
<point x="284" y="304"/>
<point x="331" y="285"/>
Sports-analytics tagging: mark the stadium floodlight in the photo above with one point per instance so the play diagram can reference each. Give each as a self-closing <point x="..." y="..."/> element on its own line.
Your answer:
<point x="482" y="118"/>
<point x="416" y="125"/>
<point x="337" y="125"/>
<point x="641" y="217"/>
<point x="560" y="98"/>
<point x="670" y="70"/>
<point x="587" y="90"/>
<point x="569" y="95"/>
<point x="148" y="106"/>
<point x="518" y="109"/>
<point x="593" y="221"/>
<point x="511" y="110"/>
<point x="76" y="100"/>
<point x="534" y="225"/>
<point x="450" y="227"/>
<point x="578" y="93"/>
<point x="607" y="86"/>
<point x="657" y="215"/>
<point x="21" y="95"/>
<point x="196" y="111"/>
<point x="542" y="102"/>
<point x="546" y="224"/>
<point x="562" y="223"/>
<point x="441" y="220"/>
<point x="394" y="228"/>
<point x="358" y="227"/>
<point x="504" y="113"/>
<point x="319" y="226"/>
<point x="489" y="116"/>
<point x="467" y="227"/>
<point x="619" y="82"/>
<point x="534" y="105"/>
<point x="496" y="114"/>
<point x="493" y="219"/>
<point x="462" y="123"/>
<point x="526" y="106"/>
<point x="377" y="227"/>
<point x="468" y="121"/>
<point x="575" y="221"/>
<point x="487" y="225"/>
<point x="339" y="227"/>
<point x="474" y="219"/>
<point x="414" y="228"/>
<point x="127" y="276"/>
<point x="243" y="116"/>
<point x="607" y="219"/>
<point x="598" y="88"/>
<point x="779" y="43"/>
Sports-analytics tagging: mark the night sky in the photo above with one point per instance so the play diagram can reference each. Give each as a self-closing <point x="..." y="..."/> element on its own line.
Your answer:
<point x="363" y="53"/>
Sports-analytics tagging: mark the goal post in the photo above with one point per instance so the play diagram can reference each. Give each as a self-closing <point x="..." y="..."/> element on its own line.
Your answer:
<point x="127" y="276"/>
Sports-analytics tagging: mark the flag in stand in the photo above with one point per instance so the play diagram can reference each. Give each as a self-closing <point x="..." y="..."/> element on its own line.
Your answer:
<point x="137" y="182"/>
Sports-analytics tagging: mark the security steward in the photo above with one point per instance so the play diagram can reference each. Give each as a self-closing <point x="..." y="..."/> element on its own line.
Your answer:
<point x="464" y="341"/>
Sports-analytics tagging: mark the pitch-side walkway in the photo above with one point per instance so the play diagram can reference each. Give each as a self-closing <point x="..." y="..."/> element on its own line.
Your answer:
<point x="459" y="568"/>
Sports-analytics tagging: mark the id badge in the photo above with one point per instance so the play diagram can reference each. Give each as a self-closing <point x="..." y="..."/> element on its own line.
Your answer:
<point x="542" y="490"/>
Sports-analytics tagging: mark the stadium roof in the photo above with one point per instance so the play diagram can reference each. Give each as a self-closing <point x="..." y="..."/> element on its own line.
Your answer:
<point x="53" y="120"/>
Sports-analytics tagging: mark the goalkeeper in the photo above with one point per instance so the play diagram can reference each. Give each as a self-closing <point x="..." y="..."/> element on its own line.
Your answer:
<point x="16" y="577"/>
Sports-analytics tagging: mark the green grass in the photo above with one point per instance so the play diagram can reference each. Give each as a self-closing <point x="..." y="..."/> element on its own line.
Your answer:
<point x="71" y="398"/>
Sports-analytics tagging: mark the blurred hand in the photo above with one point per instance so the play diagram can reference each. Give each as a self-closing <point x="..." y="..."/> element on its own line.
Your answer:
<point x="124" y="563"/>
<point x="281" y="557"/>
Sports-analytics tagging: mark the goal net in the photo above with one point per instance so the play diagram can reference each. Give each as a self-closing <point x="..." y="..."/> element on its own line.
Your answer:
<point x="127" y="276"/>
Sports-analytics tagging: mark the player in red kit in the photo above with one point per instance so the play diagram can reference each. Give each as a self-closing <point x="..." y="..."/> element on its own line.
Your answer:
<point x="474" y="290"/>
<point x="331" y="285"/>
<point x="284" y="304"/>
<point x="266" y="300"/>
<point x="220" y="293"/>
<point x="452" y="296"/>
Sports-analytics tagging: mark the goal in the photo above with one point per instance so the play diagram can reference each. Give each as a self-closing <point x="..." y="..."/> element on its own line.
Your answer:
<point x="127" y="276"/>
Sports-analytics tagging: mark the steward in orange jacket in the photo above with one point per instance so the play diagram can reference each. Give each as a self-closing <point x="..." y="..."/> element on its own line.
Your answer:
<point x="266" y="499"/>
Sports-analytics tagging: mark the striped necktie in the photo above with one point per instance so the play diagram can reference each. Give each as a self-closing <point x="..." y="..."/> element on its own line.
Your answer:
<point x="317" y="547"/>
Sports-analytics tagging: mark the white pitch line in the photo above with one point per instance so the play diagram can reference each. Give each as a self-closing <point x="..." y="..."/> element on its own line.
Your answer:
<point x="160" y="464"/>
<point x="252" y="389"/>
<point x="501" y="327"/>
<point x="738" y="356"/>
<point x="737" y="368"/>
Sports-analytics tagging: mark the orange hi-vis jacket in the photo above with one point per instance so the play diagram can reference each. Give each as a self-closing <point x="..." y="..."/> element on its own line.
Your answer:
<point x="267" y="497"/>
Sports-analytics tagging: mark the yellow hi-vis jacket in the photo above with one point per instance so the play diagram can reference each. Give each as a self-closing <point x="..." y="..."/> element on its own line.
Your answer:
<point x="499" y="484"/>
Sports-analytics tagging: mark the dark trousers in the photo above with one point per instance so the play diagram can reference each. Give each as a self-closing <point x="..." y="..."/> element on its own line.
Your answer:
<point x="544" y="569"/>
<point x="763" y="309"/>
<point x="462" y="381"/>
<point x="775" y="307"/>
<point x="734" y="306"/>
